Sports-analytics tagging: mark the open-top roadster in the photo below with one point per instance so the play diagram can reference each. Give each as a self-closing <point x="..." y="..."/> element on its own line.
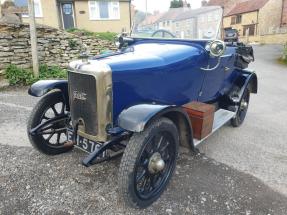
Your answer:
<point x="133" y="101"/>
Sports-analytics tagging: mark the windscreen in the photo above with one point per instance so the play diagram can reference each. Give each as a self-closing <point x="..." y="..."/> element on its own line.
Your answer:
<point x="181" y="23"/>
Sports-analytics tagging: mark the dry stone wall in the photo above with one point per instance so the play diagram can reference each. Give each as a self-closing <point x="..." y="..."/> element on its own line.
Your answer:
<point x="55" y="47"/>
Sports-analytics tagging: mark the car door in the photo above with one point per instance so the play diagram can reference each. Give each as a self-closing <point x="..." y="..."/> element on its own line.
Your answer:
<point x="214" y="79"/>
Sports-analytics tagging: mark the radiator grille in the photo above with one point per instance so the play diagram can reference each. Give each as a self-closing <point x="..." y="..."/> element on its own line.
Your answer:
<point x="83" y="101"/>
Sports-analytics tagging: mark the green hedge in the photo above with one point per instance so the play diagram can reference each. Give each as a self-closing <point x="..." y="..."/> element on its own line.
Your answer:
<point x="284" y="57"/>
<point x="110" y="36"/>
<point x="23" y="77"/>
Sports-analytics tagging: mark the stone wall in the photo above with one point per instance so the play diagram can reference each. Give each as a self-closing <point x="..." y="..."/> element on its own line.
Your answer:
<point x="277" y="38"/>
<point x="55" y="47"/>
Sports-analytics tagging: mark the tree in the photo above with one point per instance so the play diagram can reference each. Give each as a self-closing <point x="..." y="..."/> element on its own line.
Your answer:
<point x="176" y="3"/>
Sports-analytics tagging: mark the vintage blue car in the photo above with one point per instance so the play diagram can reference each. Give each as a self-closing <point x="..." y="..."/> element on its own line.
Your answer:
<point x="131" y="102"/>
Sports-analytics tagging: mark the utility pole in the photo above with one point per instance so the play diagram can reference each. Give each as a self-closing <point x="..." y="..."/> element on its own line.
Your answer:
<point x="145" y="8"/>
<point x="33" y="36"/>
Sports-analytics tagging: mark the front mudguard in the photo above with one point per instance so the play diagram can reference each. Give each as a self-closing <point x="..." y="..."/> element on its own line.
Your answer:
<point x="41" y="88"/>
<point x="138" y="117"/>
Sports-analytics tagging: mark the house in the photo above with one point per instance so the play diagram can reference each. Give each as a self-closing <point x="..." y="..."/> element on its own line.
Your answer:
<point x="227" y="5"/>
<point x="150" y="23"/>
<point x="91" y="15"/>
<point x="185" y="22"/>
<point x="198" y="23"/>
<point x="166" y="21"/>
<point x="254" y="18"/>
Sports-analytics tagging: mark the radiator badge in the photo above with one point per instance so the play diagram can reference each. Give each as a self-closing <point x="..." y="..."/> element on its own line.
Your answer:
<point x="80" y="96"/>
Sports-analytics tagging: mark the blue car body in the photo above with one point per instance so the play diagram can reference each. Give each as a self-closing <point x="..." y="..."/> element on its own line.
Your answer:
<point x="152" y="75"/>
<point x="168" y="72"/>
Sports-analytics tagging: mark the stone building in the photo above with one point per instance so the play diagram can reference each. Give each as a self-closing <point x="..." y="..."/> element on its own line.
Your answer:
<point x="198" y="23"/>
<point x="253" y="19"/>
<point x="150" y="23"/>
<point x="166" y="21"/>
<point x="92" y="15"/>
<point x="227" y="5"/>
<point x="185" y="22"/>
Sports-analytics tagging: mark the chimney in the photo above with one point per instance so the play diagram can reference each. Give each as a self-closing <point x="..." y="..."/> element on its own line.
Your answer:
<point x="156" y="12"/>
<point x="203" y="3"/>
<point x="185" y="4"/>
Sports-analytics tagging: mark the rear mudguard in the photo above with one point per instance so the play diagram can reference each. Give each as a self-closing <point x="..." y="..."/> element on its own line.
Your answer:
<point x="247" y="79"/>
<point x="138" y="117"/>
<point x="41" y="88"/>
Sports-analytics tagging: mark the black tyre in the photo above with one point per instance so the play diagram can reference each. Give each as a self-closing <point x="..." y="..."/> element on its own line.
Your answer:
<point x="50" y="139"/>
<point x="148" y="163"/>
<point x="242" y="109"/>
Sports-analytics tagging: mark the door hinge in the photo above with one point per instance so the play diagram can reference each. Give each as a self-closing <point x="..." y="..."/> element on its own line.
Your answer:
<point x="226" y="69"/>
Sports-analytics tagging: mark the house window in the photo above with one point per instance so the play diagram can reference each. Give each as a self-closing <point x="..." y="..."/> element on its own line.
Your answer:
<point x="202" y="19"/>
<point x="37" y="7"/>
<point x="163" y="24"/>
<point x="167" y="23"/>
<point x="236" y="19"/>
<point x="104" y="10"/>
<point x="249" y="29"/>
<point x="177" y="24"/>
<point x="233" y="20"/>
<point x="209" y="17"/>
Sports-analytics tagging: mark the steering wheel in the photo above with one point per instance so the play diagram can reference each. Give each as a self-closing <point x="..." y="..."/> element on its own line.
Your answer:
<point x="163" y="32"/>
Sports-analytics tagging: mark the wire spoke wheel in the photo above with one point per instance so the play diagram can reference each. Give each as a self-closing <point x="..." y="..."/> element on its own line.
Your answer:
<point x="148" y="163"/>
<point x="48" y="123"/>
<point x="242" y="109"/>
<point x="154" y="165"/>
<point x="54" y="134"/>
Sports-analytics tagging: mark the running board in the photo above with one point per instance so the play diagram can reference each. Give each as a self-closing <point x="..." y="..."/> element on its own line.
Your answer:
<point x="221" y="117"/>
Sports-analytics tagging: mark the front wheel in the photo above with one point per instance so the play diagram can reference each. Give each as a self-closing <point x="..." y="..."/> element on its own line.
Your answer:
<point x="50" y="112"/>
<point x="148" y="163"/>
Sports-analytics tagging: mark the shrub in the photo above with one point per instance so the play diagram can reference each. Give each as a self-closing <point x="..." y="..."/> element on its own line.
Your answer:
<point x="23" y="77"/>
<point x="283" y="59"/>
<point x="17" y="76"/>
<point x="72" y="43"/>
<point x="106" y="36"/>
<point x="110" y="36"/>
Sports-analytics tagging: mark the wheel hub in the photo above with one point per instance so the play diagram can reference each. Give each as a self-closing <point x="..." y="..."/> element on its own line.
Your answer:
<point x="243" y="105"/>
<point x="156" y="163"/>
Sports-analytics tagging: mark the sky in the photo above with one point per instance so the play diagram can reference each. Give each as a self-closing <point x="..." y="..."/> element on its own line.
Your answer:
<point x="161" y="5"/>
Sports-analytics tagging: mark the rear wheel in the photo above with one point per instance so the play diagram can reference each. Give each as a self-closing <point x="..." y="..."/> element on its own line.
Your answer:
<point x="242" y="109"/>
<point x="50" y="138"/>
<point x="148" y="163"/>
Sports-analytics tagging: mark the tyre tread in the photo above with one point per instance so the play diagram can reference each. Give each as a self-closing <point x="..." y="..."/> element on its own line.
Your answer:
<point x="126" y="169"/>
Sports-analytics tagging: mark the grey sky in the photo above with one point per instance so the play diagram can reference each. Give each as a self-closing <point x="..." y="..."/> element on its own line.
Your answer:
<point x="161" y="5"/>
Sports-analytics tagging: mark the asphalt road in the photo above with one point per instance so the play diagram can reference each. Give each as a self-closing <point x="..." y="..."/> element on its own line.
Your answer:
<point x="240" y="171"/>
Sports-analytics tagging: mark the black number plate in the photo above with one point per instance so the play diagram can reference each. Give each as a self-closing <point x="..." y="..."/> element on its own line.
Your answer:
<point x="83" y="143"/>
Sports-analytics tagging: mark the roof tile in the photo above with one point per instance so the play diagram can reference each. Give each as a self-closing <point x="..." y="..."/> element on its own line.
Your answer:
<point x="247" y="6"/>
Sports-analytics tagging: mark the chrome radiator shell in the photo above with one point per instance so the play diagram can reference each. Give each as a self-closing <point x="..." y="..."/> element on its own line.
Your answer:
<point x="103" y="99"/>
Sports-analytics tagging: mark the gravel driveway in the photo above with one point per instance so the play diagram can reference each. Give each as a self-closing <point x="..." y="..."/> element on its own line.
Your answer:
<point x="240" y="171"/>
